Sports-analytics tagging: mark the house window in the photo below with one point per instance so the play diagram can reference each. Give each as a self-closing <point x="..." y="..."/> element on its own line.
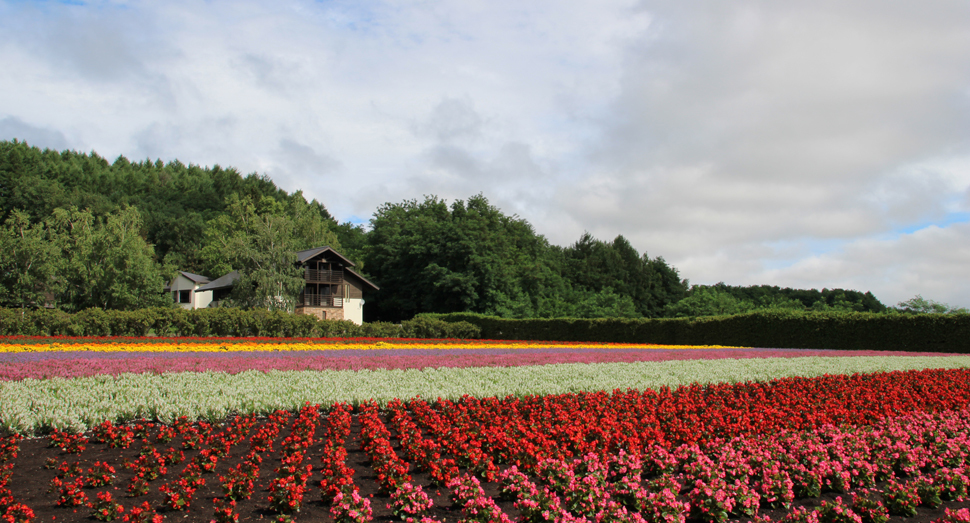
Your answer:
<point x="185" y="296"/>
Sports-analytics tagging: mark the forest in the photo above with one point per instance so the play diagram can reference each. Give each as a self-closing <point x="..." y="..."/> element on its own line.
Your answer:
<point x="78" y="231"/>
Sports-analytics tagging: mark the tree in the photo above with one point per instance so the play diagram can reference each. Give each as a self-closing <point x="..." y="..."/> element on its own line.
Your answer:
<point x="29" y="262"/>
<point x="429" y="257"/>
<point x="593" y="266"/>
<point x="920" y="305"/>
<point x="265" y="257"/>
<point x="260" y="240"/>
<point x="605" y="304"/>
<point x="707" y="301"/>
<point x="106" y="262"/>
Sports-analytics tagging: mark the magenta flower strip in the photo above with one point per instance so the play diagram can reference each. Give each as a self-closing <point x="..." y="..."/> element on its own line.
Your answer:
<point x="74" y="364"/>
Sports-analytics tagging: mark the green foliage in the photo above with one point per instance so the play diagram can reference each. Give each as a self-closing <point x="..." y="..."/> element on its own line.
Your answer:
<point x="470" y="257"/>
<point x="353" y="241"/>
<point x="106" y="262"/>
<point x="80" y="232"/>
<point x="768" y="297"/>
<point x="227" y="321"/>
<point x="75" y="260"/>
<point x="430" y="327"/>
<point x="92" y="205"/>
<point x="380" y="329"/>
<point x="920" y="305"/>
<point x="705" y="301"/>
<point x="429" y="258"/>
<point x="595" y="267"/>
<point x="721" y="299"/>
<point x="260" y="240"/>
<point x="30" y="262"/>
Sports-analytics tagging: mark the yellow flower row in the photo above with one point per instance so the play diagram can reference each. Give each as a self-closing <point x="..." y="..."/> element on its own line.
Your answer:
<point x="304" y="346"/>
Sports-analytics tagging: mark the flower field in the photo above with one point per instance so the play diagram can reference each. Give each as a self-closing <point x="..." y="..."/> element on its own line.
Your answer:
<point x="144" y="429"/>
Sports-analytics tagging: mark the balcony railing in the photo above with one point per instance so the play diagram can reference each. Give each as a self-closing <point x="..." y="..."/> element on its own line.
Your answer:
<point x="318" y="276"/>
<point x="322" y="300"/>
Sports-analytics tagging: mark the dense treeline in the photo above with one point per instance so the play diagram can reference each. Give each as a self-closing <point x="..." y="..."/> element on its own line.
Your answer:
<point x="79" y="231"/>
<point x="721" y="299"/>
<point x="432" y="257"/>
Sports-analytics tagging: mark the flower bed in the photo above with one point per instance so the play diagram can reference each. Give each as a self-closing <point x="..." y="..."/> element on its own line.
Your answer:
<point x="72" y="364"/>
<point x="16" y="344"/>
<point x="785" y="450"/>
<point x="519" y="432"/>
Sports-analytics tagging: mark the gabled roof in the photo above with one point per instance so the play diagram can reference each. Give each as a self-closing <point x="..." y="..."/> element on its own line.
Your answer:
<point x="197" y="278"/>
<point x="223" y="282"/>
<point x="363" y="279"/>
<point x="303" y="256"/>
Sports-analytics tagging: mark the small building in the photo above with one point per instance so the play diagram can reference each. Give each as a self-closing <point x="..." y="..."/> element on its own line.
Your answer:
<point x="220" y="288"/>
<point x="332" y="289"/>
<point x="187" y="290"/>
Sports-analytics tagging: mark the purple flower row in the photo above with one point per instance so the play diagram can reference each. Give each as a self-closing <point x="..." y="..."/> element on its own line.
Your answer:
<point x="14" y="367"/>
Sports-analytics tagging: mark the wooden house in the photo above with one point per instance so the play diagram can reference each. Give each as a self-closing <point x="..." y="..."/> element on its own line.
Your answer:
<point x="332" y="289"/>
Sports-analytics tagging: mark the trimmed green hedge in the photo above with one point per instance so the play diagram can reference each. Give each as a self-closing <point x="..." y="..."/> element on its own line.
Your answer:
<point x="809" y="330"/>
<point x="216" y="322"/>
<point x="775" y="329"/>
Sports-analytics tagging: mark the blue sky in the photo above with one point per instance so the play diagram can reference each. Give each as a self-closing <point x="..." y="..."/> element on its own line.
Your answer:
<point x="805" y="144"/>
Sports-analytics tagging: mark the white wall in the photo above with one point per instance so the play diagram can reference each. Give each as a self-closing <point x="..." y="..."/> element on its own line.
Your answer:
<point x="202" y="299"/>
<point x="354" y="310"/>
<point x="197" y="300"/>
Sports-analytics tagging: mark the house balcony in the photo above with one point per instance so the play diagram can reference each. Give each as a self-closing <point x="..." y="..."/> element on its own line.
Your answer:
<point x="318" y="276"/>
<point x="321" y="300"/>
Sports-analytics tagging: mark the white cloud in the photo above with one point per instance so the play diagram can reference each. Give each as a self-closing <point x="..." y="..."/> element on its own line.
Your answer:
<point x="734" y="139"/>
<point x="932" y="261"/>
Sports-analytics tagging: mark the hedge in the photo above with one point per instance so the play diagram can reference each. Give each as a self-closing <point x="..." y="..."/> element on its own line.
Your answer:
<point x="775" y="329"/>
<point x="226" y="321"/>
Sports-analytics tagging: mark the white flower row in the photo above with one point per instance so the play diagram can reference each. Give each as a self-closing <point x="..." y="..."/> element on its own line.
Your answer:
<point x="30" y="405"/>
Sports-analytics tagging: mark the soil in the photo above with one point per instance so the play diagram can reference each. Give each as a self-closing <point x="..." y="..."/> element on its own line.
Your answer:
<point x="32" y="475"/>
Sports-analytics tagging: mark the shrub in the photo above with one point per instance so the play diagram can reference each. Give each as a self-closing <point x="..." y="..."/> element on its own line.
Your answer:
<point x="429" y="327"/>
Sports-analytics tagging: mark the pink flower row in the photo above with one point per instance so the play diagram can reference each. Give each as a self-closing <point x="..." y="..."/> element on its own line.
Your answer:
<point x="923" y="457"/>
<point x="74" y="367"/>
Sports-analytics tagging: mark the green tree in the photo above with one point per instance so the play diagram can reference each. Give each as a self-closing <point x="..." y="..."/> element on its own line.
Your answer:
<point x="260" y="240"/>
<point x="707" y="301"/>
<point x="107" y="264"/>
<point x="265" y="257"/>
<point x="429" y="257"/>
<point x="29" y="263"/>
<point x="605" y="304"/>
<point x="593" y="266"/>
<point x="920" y="305"/>
<point x="353" y="242"/>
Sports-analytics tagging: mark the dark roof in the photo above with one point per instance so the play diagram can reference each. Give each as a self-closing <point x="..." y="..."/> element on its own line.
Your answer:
<point x="223" y="282"/>
<point x="303" y="256"/>
<point x="363" y="279"/>
<point x="228" y="280"/>
<point x="197" y="278"/>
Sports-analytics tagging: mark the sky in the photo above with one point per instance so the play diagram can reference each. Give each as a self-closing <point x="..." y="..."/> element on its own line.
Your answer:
<point x="805" y="144"/>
